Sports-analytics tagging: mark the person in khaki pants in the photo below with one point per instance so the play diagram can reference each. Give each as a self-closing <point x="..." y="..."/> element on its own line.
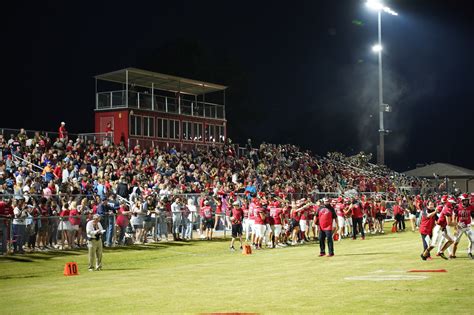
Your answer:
<point x="94" y="232"/>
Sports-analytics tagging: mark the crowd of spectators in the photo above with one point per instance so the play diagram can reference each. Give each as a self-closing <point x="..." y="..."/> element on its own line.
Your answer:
<point x="44" y="180"/>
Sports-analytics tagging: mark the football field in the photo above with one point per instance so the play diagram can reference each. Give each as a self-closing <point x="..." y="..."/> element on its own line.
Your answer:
<point x="367" y="276"/>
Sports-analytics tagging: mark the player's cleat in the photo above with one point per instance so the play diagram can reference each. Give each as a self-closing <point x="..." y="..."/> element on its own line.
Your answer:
<point x="363" y="237"/>
<point x="322" y="254"/>
<point x="329" y="255"/>
<point x="470" y="256"/>
<point x="90" y="269"/>
<point x="429" y="258"/>
<point x="423" y="257"/>
<point x="438" y="254"/>
<point x="241" y="248"/>
<point x="452" y="257"/>
<point x="232" y="249"/>
<point x="443" y="256"/>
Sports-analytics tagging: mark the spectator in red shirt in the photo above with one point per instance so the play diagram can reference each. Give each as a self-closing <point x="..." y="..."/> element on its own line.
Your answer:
<point x="122" y="222"/>
<point x="6" y="212"/>
<point x="62" y="131"/>
<point x="324" y="218"/>
<point x="399" y="214"/>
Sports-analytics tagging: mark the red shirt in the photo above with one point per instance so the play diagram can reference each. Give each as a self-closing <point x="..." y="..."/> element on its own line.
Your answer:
<point x="62" y="132"/>
<point x="464" y="214"/>
<point x="207" y="212"/>
<point x="339" y="209"/>
<point x="252" y="211"/>
<point x="325" y="217"/>
<point x="246" y="211"/>
<point x="446" y="212"/>
<point x="258" y="216"/>
<point x="122" y="220"/>
<point x="427" y="224"/>
<point x="5" y="210"/>
<point x="357" y="211"/>
<point x="64" y="213"/>
<point x="237" y="215"/>
<point x="275" y="213"/>
<point x="74" y="220"/>
<point x="397" y="210"/>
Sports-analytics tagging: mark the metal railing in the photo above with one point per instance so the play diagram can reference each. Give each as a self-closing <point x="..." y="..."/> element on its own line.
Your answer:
<point x="160" y="103"/>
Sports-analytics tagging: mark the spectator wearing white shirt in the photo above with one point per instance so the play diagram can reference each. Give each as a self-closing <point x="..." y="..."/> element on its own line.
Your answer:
<point x="176" y="209"/>
<point x="94" y="232"/>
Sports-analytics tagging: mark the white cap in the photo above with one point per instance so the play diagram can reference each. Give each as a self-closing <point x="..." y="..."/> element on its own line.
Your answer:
<point x="63" y="123"/>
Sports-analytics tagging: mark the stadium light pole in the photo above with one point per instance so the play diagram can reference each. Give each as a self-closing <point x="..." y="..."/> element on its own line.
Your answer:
<point x="379" y="7"/>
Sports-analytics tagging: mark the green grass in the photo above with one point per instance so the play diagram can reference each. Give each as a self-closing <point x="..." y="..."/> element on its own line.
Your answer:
<point x="198" y="277"/>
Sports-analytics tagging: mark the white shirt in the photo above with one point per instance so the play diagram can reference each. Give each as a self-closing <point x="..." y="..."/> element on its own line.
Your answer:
<point x="91" y="231"/>
<point x="65" y="175"/>
<point x="176" y="209"/>
<point x="19" y="216"/>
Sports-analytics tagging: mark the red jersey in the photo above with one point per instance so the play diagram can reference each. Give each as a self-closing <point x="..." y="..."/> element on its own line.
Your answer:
<point x="206" y="212"/>
<point x="246" y="211"/>
<point x="339" y="208"/>
<point x="275" y="213"/>
<point x="259" y="212"/>
<point x="427" y="224"/>
<point x="296" y="216"/>
<point x="325" y="217"/>
<point x="464" y="214"/>
<point x="252" y="208"/>
<point x="442" y="220"/>
<point x="304" y="214"/>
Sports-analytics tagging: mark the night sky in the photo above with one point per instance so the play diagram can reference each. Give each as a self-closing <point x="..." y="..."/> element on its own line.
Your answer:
<point x="298" y="72"/>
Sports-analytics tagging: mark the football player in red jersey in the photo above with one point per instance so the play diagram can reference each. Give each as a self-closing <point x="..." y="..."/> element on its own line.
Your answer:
<point x="428" y="219"/>
<point x="259" y="225"/>
<point x="347" y="217"/>
<point x="441" y="235"/>
<point x="462" y="217"/>
<point x="339" y="208"/>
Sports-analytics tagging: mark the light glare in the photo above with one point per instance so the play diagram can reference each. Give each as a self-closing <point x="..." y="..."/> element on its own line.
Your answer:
<point x="377" y="48"/>
<point x="374" y="5"/>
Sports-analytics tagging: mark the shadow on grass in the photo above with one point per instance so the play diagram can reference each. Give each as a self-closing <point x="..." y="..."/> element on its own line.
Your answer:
<point x="18" y="277"/>
<point x="367" y="254"/>
<point x="41" y="256"/>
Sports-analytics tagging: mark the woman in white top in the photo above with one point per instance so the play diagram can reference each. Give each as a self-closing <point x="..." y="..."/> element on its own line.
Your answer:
<point x="192" y="214"/>
<point x="19" y="225"/>
<point x="137" y="220"/>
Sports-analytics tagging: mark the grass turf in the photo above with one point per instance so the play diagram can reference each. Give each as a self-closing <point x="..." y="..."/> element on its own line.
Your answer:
<point x="203" y="277"/>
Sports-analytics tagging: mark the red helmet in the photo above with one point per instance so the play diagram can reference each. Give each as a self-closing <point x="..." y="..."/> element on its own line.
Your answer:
<point x="339" y="199"/>
<point x="444" y="198"/>
<point x="418" y="197"/>
<point x="464" y="197"/>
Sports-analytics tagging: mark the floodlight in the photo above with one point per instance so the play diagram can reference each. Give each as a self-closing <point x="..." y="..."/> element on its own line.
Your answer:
<point x="377" y="48"/>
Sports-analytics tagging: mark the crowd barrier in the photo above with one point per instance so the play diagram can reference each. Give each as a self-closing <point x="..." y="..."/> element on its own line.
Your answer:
<point x="57" y="231"/>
